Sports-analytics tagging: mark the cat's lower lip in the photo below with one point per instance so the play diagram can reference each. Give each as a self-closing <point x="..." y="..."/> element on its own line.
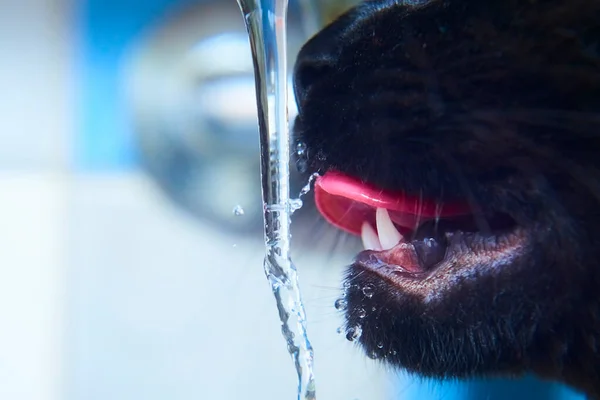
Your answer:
<point x="404" y="264"/>
<point x="417" y="253"/>
<point x="468" y="254"/>
<point x="404" y="261"/>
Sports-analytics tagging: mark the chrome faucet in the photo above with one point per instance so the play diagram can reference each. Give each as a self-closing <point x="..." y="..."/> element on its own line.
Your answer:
<point x="192" y="98"/>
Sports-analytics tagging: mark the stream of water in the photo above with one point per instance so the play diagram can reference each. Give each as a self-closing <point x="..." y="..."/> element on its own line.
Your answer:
<point x="266" y="23"/>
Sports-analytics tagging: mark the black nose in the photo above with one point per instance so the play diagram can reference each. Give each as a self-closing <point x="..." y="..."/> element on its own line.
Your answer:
<point x="316" y="62"/>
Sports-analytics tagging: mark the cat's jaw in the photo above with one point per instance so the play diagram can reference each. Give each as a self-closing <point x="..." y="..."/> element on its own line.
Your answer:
<point x="400" y="330"/>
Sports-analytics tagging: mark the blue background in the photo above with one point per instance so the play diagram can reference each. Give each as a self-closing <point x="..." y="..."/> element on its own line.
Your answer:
<point x="108" y="27"/>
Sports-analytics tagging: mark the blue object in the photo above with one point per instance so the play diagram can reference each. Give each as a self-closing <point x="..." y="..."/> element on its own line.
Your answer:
<point x="104" y="139"/>
<point x="528" y="388"/>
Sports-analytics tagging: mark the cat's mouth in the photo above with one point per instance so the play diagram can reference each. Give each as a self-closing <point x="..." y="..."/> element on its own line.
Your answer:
<point x="413" y="238"/>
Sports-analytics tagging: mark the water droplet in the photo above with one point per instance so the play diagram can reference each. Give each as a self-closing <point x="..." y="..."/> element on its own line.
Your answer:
<point x="301" y="148"/>
<point x="373" y="308"/>
<point x="350" y="335"/>
<point x="347" y="285"/>
<point x="295" y="204"/>
<point x="393" y="352"/>
<point x="380" y="345"/>
<point x="340" y="304"/>
<point x="340" y="330"/>
<point x="305" y="189"/>
<point x="353" y="333"/>
<point x="238" y="211"/>
<point x="308" y="185"/>
<point x="368" y="291"/>
<point x="361" y="313"/>
<point x="373" y="355"/>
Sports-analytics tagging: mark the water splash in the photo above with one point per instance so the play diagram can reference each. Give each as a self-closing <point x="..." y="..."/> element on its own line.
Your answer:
<point x="296" y="204"/>
<point x="266" y="22"/>
<point x="340" y="304"/>
<point x="308" y="186"/>
<point x="368" y="291"/>
<point x="354" y="333"/>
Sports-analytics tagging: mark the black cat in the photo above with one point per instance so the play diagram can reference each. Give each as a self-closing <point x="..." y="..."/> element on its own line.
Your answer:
<point x="461" y="140"/>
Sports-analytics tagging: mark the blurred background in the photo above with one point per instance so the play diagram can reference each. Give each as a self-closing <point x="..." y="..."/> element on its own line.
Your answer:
<point x="128" y="135"/>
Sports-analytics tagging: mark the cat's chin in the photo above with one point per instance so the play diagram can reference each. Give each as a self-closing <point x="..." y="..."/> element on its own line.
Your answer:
<point x="435" y="321"/>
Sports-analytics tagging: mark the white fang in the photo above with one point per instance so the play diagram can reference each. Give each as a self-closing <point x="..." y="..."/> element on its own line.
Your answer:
<point x="369" y="237"/>
<point x="388" y="234"/>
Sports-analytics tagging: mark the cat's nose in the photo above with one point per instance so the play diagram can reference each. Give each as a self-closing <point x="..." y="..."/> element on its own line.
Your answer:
<point x="316" y="62"/>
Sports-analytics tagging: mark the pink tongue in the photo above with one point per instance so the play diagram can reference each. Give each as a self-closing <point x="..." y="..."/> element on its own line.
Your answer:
<point x="346" y="203"/>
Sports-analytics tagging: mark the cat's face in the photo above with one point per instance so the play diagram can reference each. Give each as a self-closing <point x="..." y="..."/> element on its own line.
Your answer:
<point x="461" y="139"/>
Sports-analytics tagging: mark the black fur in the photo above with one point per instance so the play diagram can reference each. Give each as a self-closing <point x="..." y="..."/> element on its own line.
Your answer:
<point x="495" y="102"/>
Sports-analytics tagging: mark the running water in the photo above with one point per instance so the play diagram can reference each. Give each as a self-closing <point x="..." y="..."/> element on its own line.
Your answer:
<point x="266" y="22"/>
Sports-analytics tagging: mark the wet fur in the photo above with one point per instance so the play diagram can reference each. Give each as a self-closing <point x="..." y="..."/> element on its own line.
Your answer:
<point x="496" y="102"/>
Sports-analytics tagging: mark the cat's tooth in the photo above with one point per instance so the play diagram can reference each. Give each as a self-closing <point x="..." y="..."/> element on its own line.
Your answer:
<point x="369" y="237"/>
<point x="388" y="234"/>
